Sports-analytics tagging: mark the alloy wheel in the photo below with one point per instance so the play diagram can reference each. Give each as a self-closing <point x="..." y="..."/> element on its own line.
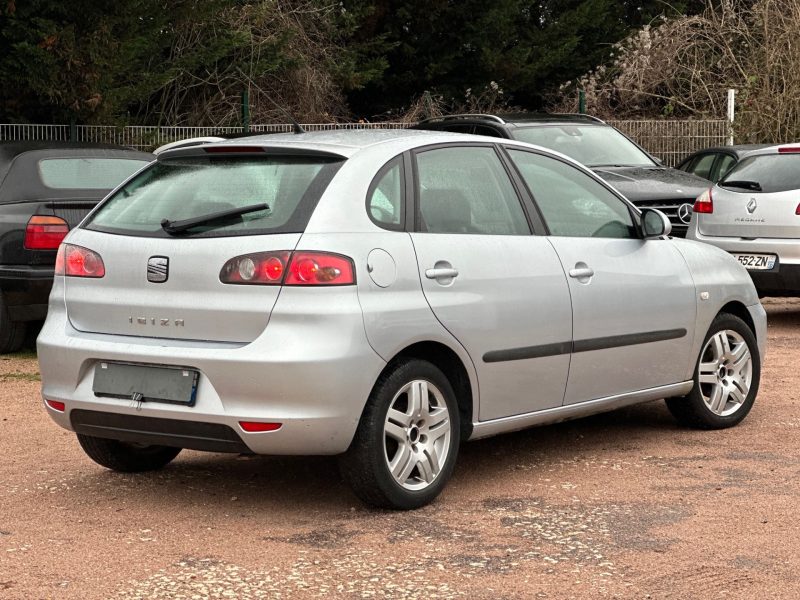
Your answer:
<point x="417" y="434"/>
<point x="725" y="372"/>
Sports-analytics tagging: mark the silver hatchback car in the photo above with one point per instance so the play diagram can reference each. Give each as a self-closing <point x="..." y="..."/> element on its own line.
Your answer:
<point x="754" y="213"/>
<point x="382" y="296"/>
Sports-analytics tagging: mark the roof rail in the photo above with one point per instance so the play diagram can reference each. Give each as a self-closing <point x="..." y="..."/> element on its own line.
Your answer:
<point x="580" y="116"/>
<point x="494" y="118"/>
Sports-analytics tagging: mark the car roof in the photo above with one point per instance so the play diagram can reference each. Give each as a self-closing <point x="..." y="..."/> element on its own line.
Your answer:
<point x="339" y="142"/>
<point x="10" y="149"/>
<point x="738" y="150"/>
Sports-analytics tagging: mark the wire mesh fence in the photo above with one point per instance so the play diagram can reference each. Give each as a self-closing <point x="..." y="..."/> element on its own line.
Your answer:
<point x="669" y="140"/>
<point x="672" y="141"/>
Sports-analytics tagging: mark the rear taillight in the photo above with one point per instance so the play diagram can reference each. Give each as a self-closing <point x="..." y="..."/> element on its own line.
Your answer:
<point x="704" y="203"/>
<point x="320" y="268"/>
<point x="45" y="233"/>
<point x="76" y="261"/>
<point x="289" y="268"/>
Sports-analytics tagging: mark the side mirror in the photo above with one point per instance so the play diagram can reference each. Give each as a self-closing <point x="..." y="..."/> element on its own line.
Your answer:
<point x="655" y="224"/>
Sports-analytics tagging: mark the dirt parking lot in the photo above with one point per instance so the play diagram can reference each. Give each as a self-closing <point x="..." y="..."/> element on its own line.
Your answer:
<point x="623" y="505"/>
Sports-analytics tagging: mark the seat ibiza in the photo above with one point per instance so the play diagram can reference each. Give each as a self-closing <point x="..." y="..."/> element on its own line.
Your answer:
<point x="381" y="296"/>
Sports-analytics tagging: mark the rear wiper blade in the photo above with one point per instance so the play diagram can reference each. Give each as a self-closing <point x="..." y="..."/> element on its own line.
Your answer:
<point x="753" y="186"/>
<point x="173" y="227"/>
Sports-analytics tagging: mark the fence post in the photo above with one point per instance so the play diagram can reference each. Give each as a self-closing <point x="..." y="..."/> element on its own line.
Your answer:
<point x="73" y="130"/>
<point x="731" y="114"/>
<point x="582" y="102"/>
<point x="246" y="110"/>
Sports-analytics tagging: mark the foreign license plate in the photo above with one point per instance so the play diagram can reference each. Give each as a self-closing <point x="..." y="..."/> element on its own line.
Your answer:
<point x="145" y="383"/>
<point x="756" y="262"/>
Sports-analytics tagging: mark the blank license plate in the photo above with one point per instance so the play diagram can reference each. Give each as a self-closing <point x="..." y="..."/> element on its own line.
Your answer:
<point x="756" y="262"/>
<point x="144" y="383"/>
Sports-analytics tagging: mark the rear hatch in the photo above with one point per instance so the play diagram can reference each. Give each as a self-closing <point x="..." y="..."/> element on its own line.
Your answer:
<point x="166" y="284"/>
<point x="759" y="198"/>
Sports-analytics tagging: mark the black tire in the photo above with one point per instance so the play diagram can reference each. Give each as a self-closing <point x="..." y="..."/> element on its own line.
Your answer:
<point x="364" y="465"/>
<point x="125" y="457"/>
<point x="12" y="333"/>
<point x="691" y="410"/>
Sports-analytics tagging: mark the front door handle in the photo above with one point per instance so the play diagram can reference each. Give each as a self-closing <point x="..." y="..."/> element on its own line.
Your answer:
<point x="582" y="272"/>
<point x="441" y="273"/>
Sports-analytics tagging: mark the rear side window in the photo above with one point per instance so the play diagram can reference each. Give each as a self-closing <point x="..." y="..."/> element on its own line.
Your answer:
<point x="185" y="188"/>
<point x="385" y="202"/>
<point x="701" y="166"/>
<point x="767" y="173"/>
<point x="467" y="190"/>
<point x="87" y="173"/>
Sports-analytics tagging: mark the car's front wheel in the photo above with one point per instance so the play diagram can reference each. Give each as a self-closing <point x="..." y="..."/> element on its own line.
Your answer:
<point x="126" y="457"/>
<point x="405" y="448"/>
<point x="726" y="377"/>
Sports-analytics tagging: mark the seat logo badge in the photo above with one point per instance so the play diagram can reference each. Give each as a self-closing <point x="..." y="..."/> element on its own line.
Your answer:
<point x="752" y="206"/>
<point x="157" y="269"/>
<point x="685" y="213"/>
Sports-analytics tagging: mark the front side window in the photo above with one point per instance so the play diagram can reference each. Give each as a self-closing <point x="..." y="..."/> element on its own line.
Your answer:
<point x="591" y="145"/>
<point x="87" y="173"/>
<point x="185" y="188"/>
<point x="467" y="190"/>
<point x="572" y="203"/>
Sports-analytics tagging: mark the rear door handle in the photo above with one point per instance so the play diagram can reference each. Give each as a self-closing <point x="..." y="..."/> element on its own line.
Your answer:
<point x="580" y="273"/>
<point x="441" y="273"/>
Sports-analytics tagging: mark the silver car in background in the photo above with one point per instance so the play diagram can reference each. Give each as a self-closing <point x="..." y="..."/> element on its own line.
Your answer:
<point x="382" y="296"/>
<point x="754" y="213"/>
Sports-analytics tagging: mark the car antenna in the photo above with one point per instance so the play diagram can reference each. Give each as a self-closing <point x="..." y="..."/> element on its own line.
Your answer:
<point x="296" y="127"/>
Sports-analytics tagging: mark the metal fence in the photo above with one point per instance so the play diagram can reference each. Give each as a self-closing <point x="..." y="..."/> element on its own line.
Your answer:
<point x="669" y="140"/>
<point x="672" y="141"/>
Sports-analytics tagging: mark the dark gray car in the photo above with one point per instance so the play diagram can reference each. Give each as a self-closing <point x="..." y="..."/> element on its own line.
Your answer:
<point x="641" y="178"/>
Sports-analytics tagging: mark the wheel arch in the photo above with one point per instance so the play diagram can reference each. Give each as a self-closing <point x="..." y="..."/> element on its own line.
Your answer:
<point x="739" y="310"/>
<point x="453" y="367"/>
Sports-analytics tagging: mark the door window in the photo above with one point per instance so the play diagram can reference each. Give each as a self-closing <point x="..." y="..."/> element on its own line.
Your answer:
<point x="572" y="203"/>
<point x="467" y="190"/>
<point x="702" y="165"/>
<point x="725" y="164"/>
<point x="385" y="198"/>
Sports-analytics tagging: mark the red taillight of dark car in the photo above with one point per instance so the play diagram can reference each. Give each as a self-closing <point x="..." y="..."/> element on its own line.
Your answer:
<point x="45" y="233"/>
<point x="77" y="261"/>
<point x="289" y="268"/>
<point x="704" y="203"/>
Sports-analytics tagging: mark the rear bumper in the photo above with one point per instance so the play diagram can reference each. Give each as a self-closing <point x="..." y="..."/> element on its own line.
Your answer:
<point x="26" y="290"/>
<point x="783" y="279"/>
<point x="312" y="375"/>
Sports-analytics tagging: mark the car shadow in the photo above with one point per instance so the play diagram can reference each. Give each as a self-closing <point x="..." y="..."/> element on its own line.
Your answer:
<point x="227" y="482"/>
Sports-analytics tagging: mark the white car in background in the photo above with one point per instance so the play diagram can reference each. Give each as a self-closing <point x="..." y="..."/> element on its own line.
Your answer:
<point x="754" y="213"/>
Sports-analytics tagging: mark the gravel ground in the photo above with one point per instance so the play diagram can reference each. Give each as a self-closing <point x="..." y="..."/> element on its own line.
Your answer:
<point x="623" y="505"/>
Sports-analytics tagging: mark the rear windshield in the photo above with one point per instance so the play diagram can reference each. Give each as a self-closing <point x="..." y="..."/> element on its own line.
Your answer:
<point x="186" y="188"/>
<point x="87" y="173"/>
<point x="591" y="145"/>
<point x="766" y="173"/>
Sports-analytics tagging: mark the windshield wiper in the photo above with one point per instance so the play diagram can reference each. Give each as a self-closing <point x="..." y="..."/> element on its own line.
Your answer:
<point x="173" y="227"/>
<point x="753" y="186"/>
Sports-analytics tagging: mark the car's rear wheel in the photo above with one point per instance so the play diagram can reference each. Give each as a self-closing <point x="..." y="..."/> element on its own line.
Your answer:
<point x="12" y="333"/>
<point x="726" y="377"/>
<point x="405" y="448"/>
<point x="126" y="457"/>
